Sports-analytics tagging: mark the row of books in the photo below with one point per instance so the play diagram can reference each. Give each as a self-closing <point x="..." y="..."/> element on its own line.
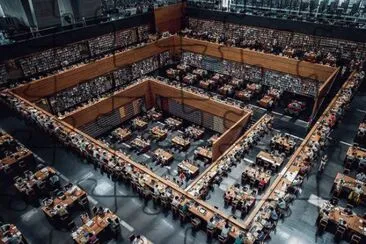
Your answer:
<point x="57" y="58"/>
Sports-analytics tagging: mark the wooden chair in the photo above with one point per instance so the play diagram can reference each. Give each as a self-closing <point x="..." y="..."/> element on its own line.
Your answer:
<point x="182" y="216"/>
<point x="223" y="239"/>
<point x="355" y="239"/>
<point x="341" y="230"/>
<point x="323" y="225"/>
<point x="346" y="171"/>
<point x="211" y="232"/>
<point x="196" y="223"/>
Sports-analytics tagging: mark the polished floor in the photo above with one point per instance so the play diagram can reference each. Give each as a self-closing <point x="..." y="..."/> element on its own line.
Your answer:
<point x="144" y="218"/>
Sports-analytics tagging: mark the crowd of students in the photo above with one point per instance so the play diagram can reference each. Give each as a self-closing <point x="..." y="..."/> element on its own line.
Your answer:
<point x="255" y="74"/>
<point x="296" y="45"/>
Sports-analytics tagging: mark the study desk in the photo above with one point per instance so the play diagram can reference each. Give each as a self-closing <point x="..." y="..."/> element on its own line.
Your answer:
<point x="283" y="144"/>
<point x="123" y="134"/>
<point x="244" y="95"/>
<point x="154" y="115"/>
<point x="140" y="144"/>
<point x="199" y="72"/>
<point x="349" y="183"/>
<point x="172" y="73"/>
<point x="204" y="153"/>
<point x="158" y="133"/>
<point x="234" y="193"/>
<point x="190" y="79"/>
<point x="355" y="223"/>
<point x="94" y="226"/>
<point x="256" y="88"/>
<point x="355" y="152"/>
<point x="194" y="132"/>
<point x="255" y="174"/>
<point x="40" y="175"/>
<point x="173" y="123"/>
<point x="187" y="166"/>
<point x="14" y="232"/>
<point x="67" y="200"/>
<point x="207" y="84"/>
<point x="183" y="67"/>
<point x="181" y="142"/>
<point x="267" y="157"/>
<point x="236" y="82"/>
<point x="139" y="123"/>
<point x="163" y="156"/>
<point x="266" y="101"/>
<point x="4" y="138"/>
<point x="13" y="159"/>
<point x="226" y="90"/>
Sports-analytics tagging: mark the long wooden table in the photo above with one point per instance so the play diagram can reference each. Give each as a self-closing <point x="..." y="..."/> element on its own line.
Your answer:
<point x="164" y="156"/>
<point x="40" y="175"/>
<point x="273" y="160"/>
<point x="69" y="198"/>
<point x="187" y="166"/>
<point x="181" y="142"/>
<point x="94" y="226"/>
<point x="122" y="134"/>
<point x="355" y="223"/>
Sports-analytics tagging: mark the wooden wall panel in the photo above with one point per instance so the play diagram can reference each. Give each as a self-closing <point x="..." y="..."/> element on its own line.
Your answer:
<point x="229" y="137"/>
<point x="107" y="105"/>
<point x="269" y="61"/>
<point x="47" y="86"/>
<point x="169" y="18"/>
<point x="229" y="113"/>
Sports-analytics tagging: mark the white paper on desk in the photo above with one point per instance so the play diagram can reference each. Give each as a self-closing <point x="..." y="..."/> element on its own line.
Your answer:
<point x="89" y="223"/>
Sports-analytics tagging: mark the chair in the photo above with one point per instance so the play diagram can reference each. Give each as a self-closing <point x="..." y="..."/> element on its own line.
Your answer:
<point x="223" y="239"/>
<point x="83" y="201"/>
<point x="164" y="203"/>
<point x="355" y="239"/>
<point x="71" y="226"/>
<point x="334" y="201"/>
<point x="323" y="224"/>
<point x="174" y="209"/>
<point x="155" y="198"/>
<point x="340" y="232"/>
<point x="94" y="210"/>
<point x="22" y="164"/>
<point x="346" y="171"/>
<point x="350" y="206"/>
<point x="182" y="215"/>
<point x="196" y="222"/>
<point x="211" y="232"/>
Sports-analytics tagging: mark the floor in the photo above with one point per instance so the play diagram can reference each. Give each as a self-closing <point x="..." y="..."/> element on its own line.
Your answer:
<point x="149" y="220"/>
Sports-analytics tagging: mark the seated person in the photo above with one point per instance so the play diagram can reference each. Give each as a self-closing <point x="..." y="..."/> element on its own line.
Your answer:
<point x="361" y="176"/>
<point x="210" y="224"/>
<point x="356" y="194"/>
<point x="225" y="230"/>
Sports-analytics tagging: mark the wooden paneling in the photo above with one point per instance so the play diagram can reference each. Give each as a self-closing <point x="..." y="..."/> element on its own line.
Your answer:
<point x="169" y="18"/>
<point x="149" y="89"/>
<point x="323" y="90"/>
<point x="47" y="86"/>
<point x="229" y="137"/>
<point x="268" y="61"/>
<point x="107" y="105"/>
<point x="229" y="113"/>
